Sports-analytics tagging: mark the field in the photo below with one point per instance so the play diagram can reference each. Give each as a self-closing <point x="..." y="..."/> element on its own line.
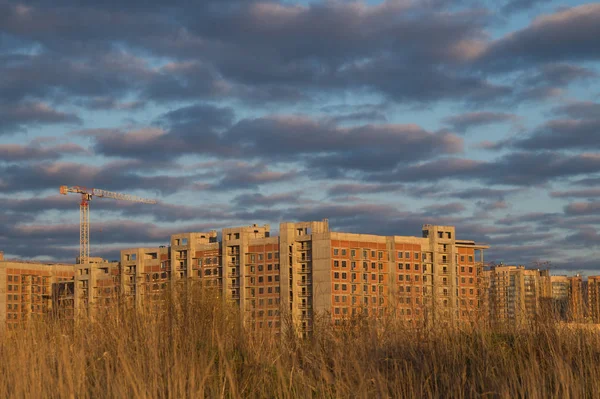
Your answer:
<point x="197" y="349"/>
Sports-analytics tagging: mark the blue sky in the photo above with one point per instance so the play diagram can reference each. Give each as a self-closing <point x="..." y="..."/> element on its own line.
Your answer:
<point x="379" y="115"/>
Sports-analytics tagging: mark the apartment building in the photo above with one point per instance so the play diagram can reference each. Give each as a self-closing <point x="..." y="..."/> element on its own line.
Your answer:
<point x="516" y="294"/>
<point x="26" y="289"/>
<point x="593" y="298"/>
<point x="309" y="270"/>
<point x="145" y="275"/>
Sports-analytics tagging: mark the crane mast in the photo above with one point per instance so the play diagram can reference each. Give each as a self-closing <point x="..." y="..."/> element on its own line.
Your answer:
<point x="84" y="212"/>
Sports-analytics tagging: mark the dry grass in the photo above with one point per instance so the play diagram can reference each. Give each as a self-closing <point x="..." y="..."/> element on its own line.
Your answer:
<point x="197" y="349"/>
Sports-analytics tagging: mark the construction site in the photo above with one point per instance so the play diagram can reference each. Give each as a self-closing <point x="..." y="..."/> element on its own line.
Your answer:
<point x="305" y="271"/>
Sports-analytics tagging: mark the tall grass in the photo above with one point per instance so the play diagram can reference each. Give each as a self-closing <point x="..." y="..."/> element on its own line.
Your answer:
<point x="197" y="348"/>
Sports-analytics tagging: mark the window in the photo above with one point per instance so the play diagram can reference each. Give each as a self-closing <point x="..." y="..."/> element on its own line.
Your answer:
<point x="470" y="258"/>
<point x="344" y="275"/>
<point x="407" y="255"/>
<point x="336" y="298"/>
<point x="184" y="241"/>
<point x="336" y="263"/>
<point x="260" y="268"/>
<point x="269" y="267"/>
<point x="399" y="255"/>
<point x="462" y="258"/>
<point x="270" y="255"/>
<point x="336" y="287"/>
<point x="343" y="252"/>
<point x="344" y="287"/>
<point x="260" y="256"/>
<point x="401" y="277"/>
<point x="373" y="265"/>
<point x="416" y="266"/>
<point x="416" y="255"/>
<point x="353" y="252"/>
<point x="343" y="263"/>
<point x="400" y="266"/>
<point x="336" y="251"/>
<point x="372" y="254"/>
<point x="336" y="275"/>
<point x="380" y="255"/>
<point x="407" y="266"/>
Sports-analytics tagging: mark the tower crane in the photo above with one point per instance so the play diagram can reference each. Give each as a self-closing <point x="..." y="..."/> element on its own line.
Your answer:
<point x="84" y="212"/>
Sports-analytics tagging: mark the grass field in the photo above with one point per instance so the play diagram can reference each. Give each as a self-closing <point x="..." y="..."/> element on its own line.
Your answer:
<point x="197" y="349"/>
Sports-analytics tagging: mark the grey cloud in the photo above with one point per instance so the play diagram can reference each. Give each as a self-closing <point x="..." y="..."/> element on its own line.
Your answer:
<point x="583" y="193"/>
<point x="562" y="134"/>
<point x="361" y="188"/>
<point x="202" y="130"/>
<point x="579" y="110"/>
<point x="36" y="151"/>
<point x="519" y="169"/>
<point x="16" y="117"/>
<point x="514" y="6"/>
<point x="586" y="237"/>
<point x="257" y="199"/>
<point x="110" y="103"/>
<point x="570" y="34"/>
<point x="465" y="122"/>
<point x="115" y="177"/>
<point x="558" y="75"/>
<point x="583" y="208"/>
<point x="444" y="209"/>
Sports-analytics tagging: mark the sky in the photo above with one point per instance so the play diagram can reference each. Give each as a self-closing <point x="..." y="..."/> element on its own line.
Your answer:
<point x="381" y="116"/>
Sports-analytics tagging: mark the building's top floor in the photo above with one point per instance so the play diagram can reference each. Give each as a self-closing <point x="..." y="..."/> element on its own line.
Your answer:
<point x="193" y="238"/>
<point x="246" y="232"/>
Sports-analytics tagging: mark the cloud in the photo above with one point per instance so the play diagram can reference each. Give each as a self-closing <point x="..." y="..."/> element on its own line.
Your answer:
<point x="360" y="188"/>
<point x="579" y="110"/>
<point x="518" y="168"/>
<point x="567" y="35"/>
<point x="16" y="117"/>
<point x="563" y="134"/>
<point x="467" y="121"/>
<point x="584" y="193"/>
<point x="514" y="6"/>
<point x="583" y="208"/>
<point x="586" y="237"/>
<point x="36" y="151"/>
<point x="444" y="209"/>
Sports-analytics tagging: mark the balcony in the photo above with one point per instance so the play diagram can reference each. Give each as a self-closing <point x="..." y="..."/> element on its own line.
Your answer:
<point x="303" y="270"/>
<point x="304" y="283"/>
<point x="304" y="293"/>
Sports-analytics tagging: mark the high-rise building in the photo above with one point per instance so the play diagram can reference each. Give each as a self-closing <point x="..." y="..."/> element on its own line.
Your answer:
<point x="516" y="294"/>
<point x="26" y="289"/>
<point x="593" y="298"/>
<point x="309" y="270"/>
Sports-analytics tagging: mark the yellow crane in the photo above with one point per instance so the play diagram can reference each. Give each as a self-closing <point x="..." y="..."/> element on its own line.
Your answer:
<point x="84" y="212"/>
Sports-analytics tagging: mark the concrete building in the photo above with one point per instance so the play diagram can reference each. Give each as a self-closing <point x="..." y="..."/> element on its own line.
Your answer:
<point x="593" y="299"/>
<point x="516" y="294"/>
<point x="309" y="270"/>
<point x="26" y="289"/>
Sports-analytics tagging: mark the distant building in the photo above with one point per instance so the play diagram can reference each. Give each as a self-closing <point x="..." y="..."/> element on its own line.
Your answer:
<point x="309" y="270"/>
